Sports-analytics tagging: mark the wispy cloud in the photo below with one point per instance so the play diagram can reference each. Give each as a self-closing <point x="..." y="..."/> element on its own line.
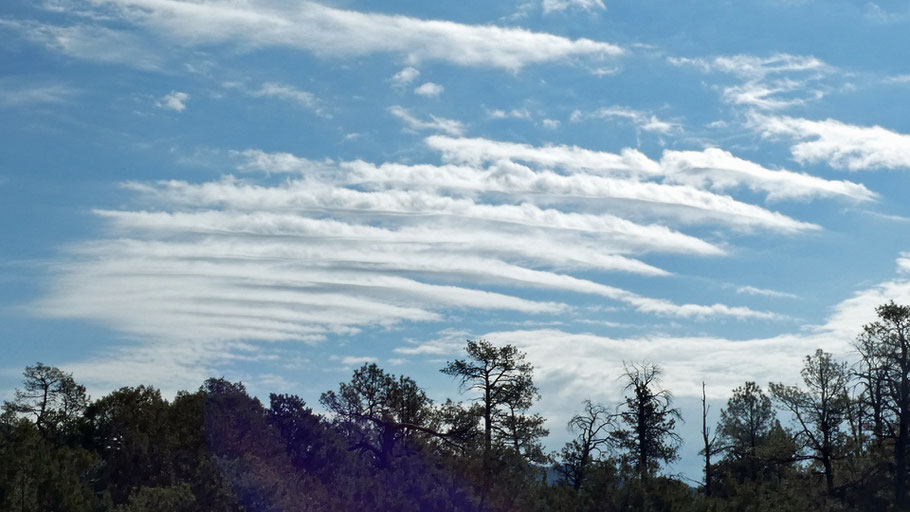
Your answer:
<point x="712" y="168"/>
<point x="768" y="83"/>
<point x="436" y="124"/>
<point x="333" y="32"/>
<point x="514" y="113"/>
<point x="19" y="93"/>
<point x="92" y="42"/>
<point x="643" y="120"/>
<point x="562" y="5"/>
<point x="290" y="93"/>
<point x="339" y="246"/>
<point x="764" y="292"/>
<point x="721" y="170"/>
<point x="840" y="145"/>
<point x="570" y="366"/>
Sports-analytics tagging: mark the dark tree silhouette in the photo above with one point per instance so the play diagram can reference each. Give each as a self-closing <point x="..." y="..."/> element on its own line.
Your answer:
<point x="50" y="397"/>
<point x="884" y="346"/>
<point x="819" y="409"/>
<point x="649" y="418"/>
<point x="592" y="429"/>
<point x="710" y="447"/>
<point x="503" y="382"/>
<point x="380" y="413"/>
<point x="746" y="421"/>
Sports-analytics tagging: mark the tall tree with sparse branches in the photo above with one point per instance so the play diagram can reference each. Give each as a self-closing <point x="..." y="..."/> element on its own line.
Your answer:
<point x="649" y="420"/>
<point x="711" y="446"/>
<point x="50" y="397"/>
<point x="820" y="409"/>
<point x="505" y="391"/>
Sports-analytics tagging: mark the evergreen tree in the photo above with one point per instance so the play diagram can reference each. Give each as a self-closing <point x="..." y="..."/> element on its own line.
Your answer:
<point x="648" y="419"/>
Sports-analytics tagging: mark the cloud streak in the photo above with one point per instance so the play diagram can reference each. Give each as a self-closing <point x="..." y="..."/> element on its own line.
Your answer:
<point x="336" y="247"/>
<point x="840" y="145"/>
<point x="331" y="32"/>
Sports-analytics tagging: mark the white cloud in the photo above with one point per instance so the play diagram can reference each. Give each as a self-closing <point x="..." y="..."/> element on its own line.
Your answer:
<point x="355" y="360"/>
<point x="331" y="32"/>
<point x="339" y="246"/>
<point x="753" y="67"/>
<point x="509" y="114"/>
<point x="840" y="145"/>
<point x="175" y="101"/>
<point x="561" y="5"/>
<point x="903" y="263"/>
<point x="429" y="89"/>
<point x="751" y="290"/>
<point x="405" y="76"/>
<point x="550" y="124"/>
<point x="643" y="120"/>
<point x="17" y="93"/>
<point x="768" y="83"/>
<point x="711" y="168"/>
<point x="571" y="366"/>
<point x="717" y="169"/>
<point x="877" y="14"/>
<point x="286" y="92"/>
<point x="436" y="124"/>
<point x="769" y="96"/>
<point x="283" y="92"/>
<point x="94" y="43"/>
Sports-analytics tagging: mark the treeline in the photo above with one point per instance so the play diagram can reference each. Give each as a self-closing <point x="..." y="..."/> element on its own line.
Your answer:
<point x="837" y="441"/>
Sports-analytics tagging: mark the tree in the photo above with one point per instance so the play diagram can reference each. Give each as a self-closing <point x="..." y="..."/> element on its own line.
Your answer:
<point x="379" y="413"/>
<point x="129" y="428"/>
<point x="51" y="397"/>
<point x="506" y="391"/>
<point x="884" y="346"/>
<point x="592" y="440"/>
<point x="746" y="421"/>
<point x="820" y="409"/>
<point x="649" y="420"/>
<point x="503" y="379"/>
<point x="711" y="447"/>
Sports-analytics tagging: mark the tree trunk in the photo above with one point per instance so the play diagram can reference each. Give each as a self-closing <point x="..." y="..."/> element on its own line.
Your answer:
<point x="706" y="437"/>
<point x="900" y="444"/>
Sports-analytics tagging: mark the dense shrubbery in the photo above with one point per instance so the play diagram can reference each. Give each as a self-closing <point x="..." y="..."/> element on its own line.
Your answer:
<point x="386" y="446"/>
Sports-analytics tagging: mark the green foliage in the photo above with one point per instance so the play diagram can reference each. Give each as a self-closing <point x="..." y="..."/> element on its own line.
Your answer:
<point x="51" y="398"/>
<point x="647" y="421"/>
<point x="388" y="447"/>
<point x="746" y="421"/>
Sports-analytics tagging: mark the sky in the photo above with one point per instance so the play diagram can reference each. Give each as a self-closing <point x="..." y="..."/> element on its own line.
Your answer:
<point x="280" y="191"/>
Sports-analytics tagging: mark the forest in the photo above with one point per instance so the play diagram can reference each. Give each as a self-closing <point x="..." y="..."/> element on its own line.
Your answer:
<point x="837" y="441"/>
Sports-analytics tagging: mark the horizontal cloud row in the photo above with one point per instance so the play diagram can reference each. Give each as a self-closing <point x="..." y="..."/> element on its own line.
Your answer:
<point x="329" y="31"/>
<point x="334" y="247"/>
<point x="712" y="168"/>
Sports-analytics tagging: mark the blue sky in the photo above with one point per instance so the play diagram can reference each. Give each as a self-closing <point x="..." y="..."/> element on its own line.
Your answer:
<point x="278" y="192"/>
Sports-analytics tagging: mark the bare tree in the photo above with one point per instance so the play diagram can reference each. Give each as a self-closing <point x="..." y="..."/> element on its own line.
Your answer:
<point x="711" y="447"/>
<point x="592" y="429"/>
